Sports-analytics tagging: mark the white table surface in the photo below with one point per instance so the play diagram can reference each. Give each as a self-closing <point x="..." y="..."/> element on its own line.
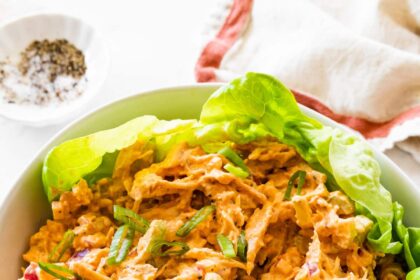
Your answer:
<point x="151" y="44"/>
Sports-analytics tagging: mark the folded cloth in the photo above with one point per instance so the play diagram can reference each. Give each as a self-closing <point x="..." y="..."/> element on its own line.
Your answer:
<point x="357" y="62"/>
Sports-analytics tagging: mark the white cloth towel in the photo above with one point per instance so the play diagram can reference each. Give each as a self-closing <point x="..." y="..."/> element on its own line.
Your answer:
<point x="357" y="61"/>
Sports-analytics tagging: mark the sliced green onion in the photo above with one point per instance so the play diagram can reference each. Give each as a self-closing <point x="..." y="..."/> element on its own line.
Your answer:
<point x="59" y="272"/>
<point x="231" y="155"/>
<point x="298" y="174"/>
<point x="226" y="246"/>
<point x="59" y="250"/>
<point x="242" y="246"/>
<point x="198" y="217"/>
<point x="158" y="248"/>
<point x="238" y="172"/>
<point x="131" y="218"/>
<point x="120" y="245"/>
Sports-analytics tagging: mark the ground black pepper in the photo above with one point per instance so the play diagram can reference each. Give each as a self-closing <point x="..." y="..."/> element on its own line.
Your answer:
<point x="46" y="72"/>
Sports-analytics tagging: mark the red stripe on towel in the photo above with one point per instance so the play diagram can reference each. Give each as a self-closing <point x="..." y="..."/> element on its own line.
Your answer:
<point x="215" y="50"/>
<point x="367" y="128"/>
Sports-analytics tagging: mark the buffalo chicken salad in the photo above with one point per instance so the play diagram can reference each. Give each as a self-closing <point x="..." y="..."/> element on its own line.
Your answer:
<point x="254" y="189"/>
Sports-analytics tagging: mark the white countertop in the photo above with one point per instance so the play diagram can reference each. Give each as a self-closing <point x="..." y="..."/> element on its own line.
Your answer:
<point x="152" y="44"/>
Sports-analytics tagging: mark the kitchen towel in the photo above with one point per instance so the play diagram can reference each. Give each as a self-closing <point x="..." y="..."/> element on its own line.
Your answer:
<point x="357" y="62"/>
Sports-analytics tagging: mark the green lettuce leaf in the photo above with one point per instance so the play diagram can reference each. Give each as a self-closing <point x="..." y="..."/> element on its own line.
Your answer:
<point x="104" y="170"/>
<point x="414" y="274"/>
<point x="410" y="238"/>
<point x="70" y="161"/>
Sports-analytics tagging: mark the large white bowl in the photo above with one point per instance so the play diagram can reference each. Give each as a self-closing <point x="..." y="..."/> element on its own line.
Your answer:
<point x="26" y="206"/>
<point x="17" y="34"/>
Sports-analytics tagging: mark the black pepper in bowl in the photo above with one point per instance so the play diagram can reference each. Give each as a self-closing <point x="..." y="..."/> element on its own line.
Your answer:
<point x="46" y="72"/>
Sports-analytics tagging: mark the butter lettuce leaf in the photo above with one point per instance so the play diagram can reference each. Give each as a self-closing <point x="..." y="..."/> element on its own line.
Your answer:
<point x="72" y="160"/>
<point x="414" y="274"/>
<point x="410" y="237"/>
<point x="104" y="170"/>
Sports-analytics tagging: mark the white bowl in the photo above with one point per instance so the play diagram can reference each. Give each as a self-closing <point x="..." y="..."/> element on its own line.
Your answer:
<point x="26" y="208"/>
<point x="17" y="34"/>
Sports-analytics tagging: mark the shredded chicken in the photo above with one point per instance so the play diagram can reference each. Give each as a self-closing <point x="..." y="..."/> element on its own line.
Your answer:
<point x="314" y="234"/>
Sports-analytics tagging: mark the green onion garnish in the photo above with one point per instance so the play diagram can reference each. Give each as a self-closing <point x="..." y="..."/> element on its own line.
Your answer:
<point x="131" y="218"/>
<point x="120" y="245"/>
<point x="242" y="246"/>
<point x="59" y="250"/>
<point x="298" y="174"/>
<point x="198" y="217"/>
<point x="59" y="272"/>
<point x="158" y="248"/>
<point x="237" y="171"/>
<point x="233" y="157"/>
<point x="226" y="245"/>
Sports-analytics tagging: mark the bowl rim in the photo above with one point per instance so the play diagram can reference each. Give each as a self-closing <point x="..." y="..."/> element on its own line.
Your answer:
<point x="26" y="15"/>
<point x="106" y="63"/>
<point x="7" y="198"/>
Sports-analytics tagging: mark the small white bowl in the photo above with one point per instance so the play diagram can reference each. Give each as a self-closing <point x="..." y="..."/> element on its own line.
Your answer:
<point x="16" y="35"/>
